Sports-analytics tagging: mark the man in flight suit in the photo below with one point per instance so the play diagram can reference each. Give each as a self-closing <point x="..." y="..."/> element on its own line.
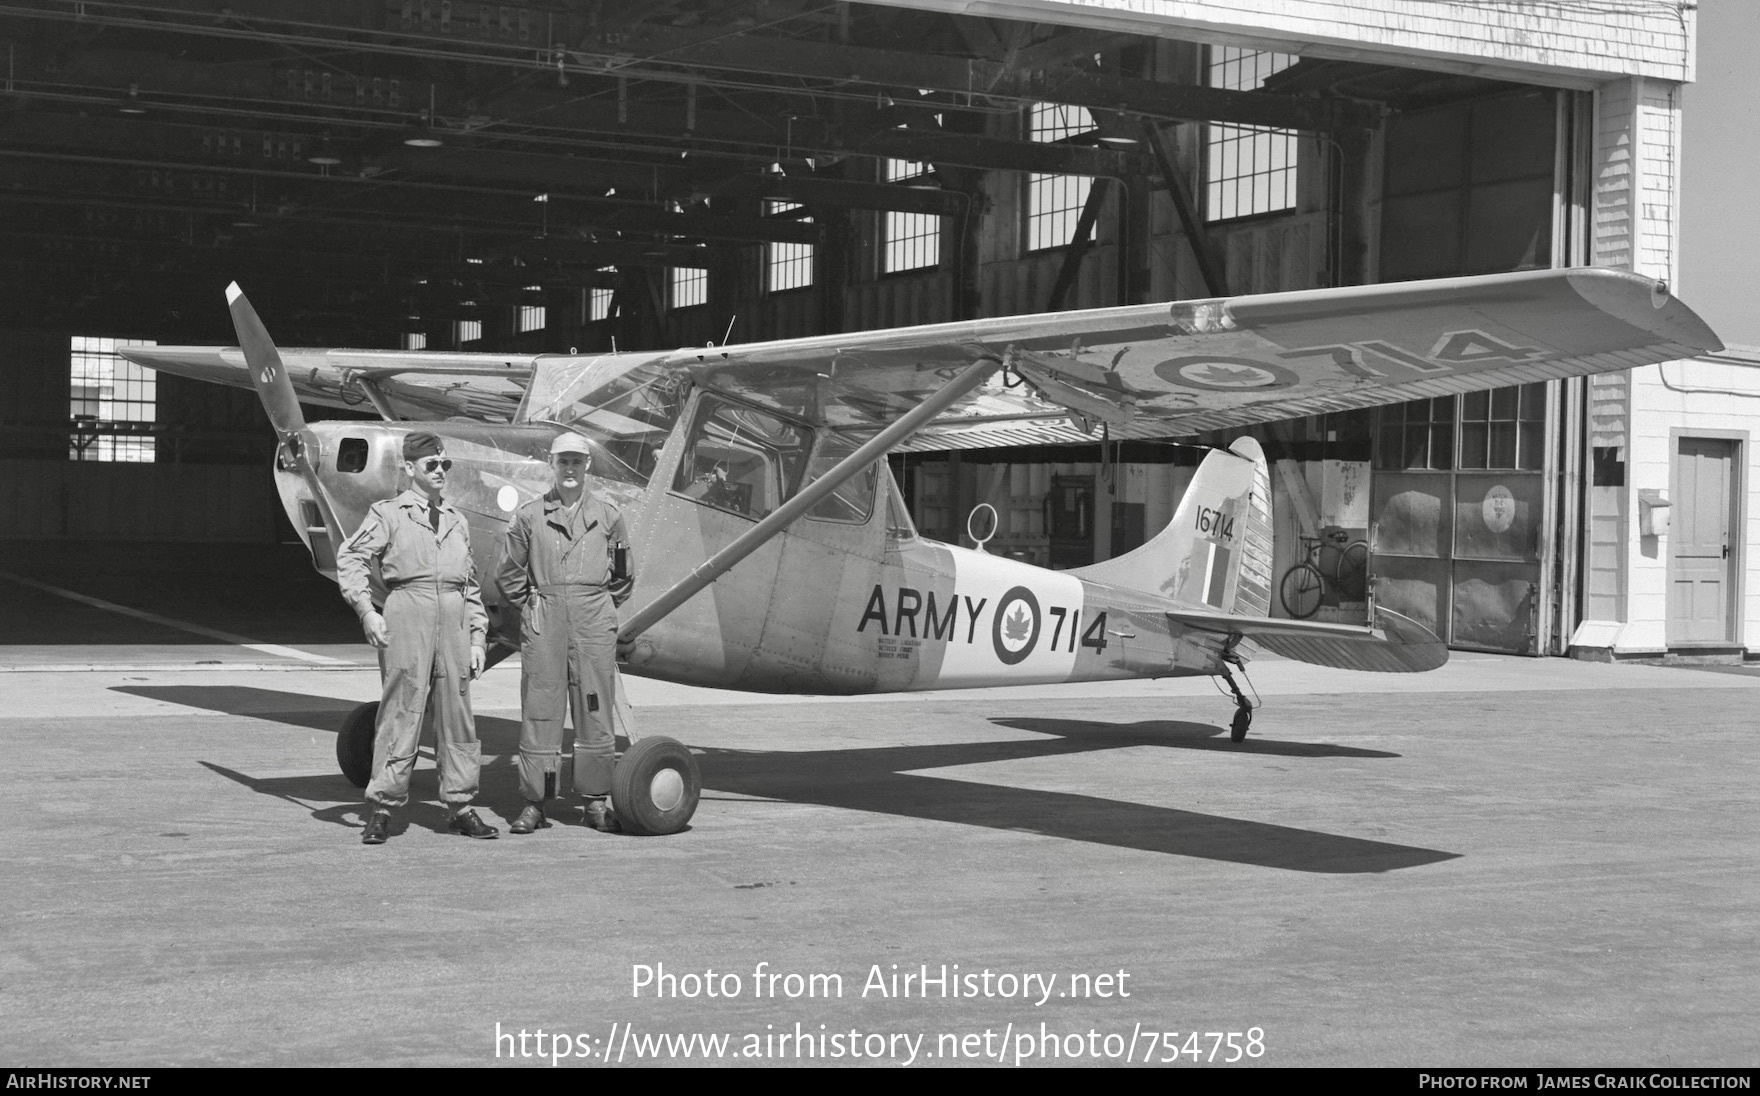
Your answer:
<point x="430" y="638"/>
<point x="567" y="568"/>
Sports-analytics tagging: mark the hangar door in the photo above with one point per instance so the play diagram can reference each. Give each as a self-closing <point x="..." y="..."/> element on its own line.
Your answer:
<point x="1458" y="497"/>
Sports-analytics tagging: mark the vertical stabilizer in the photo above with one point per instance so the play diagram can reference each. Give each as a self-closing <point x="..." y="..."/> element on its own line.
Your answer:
<point x="1216" y="552"/>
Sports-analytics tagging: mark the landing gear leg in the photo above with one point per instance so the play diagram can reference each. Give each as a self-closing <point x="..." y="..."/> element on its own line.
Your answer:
<point x="1243" y="712"/>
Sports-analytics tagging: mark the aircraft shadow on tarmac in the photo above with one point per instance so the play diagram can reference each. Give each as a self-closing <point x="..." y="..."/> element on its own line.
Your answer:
<point x="884" y="780"/>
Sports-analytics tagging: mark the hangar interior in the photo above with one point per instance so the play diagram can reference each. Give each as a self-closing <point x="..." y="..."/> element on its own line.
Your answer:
<point x="638" y="174"/>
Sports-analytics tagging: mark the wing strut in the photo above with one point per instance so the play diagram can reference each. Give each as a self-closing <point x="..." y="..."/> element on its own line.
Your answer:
<point x="786" y="514"/>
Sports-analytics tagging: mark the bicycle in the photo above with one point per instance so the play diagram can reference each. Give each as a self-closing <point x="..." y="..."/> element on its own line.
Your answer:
<point x="1329" y="559"/>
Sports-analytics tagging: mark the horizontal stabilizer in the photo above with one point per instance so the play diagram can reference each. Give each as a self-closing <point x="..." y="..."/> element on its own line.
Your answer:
<point x="1396" y="645"/>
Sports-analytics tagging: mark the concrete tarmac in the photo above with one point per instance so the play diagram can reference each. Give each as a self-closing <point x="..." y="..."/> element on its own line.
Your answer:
<point x="1505" y="862"/>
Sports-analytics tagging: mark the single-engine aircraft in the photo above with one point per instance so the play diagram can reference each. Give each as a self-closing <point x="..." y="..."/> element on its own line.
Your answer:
<point x="775" y="552"/>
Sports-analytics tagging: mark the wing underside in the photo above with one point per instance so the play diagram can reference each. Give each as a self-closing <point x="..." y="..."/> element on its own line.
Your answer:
<point x="1139" y="371"/>
<point x="1148" y="371"/>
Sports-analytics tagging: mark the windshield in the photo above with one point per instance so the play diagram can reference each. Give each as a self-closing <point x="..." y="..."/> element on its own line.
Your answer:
<point x="626" y="403"/>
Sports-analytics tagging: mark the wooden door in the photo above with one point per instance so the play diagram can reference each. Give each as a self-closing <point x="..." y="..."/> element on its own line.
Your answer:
<point x="1701" y="542"/>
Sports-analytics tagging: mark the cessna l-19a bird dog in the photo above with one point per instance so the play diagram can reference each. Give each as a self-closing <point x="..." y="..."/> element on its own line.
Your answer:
<point x="777" y="555"/>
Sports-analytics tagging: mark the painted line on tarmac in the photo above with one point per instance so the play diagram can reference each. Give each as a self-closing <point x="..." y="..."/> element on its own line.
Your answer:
<point x="173" y="667"/>
<point x="181" y="625"/>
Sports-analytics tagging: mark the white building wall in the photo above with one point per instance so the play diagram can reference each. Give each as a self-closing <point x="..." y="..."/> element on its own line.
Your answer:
<point x="1577" y="43"/>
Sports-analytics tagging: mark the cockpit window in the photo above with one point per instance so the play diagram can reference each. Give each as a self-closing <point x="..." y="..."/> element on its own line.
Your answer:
<point x="627" y="407"/>
<point x="741" y="459"/>
<point x="853" y="500"/>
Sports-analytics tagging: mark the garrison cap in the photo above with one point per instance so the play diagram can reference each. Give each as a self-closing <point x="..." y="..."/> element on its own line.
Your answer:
<point x="570" y="443"/>
<point x="421" y="444"/>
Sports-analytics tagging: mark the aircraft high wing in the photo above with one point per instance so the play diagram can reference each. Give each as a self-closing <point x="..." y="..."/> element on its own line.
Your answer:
<point x="776" y="554"/>
<point x="1145" y="371"/>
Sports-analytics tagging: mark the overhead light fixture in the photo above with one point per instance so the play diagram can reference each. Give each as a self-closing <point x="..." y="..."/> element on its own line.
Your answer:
<point x="424" y="135"/>
<point x="323" y="154"/>
<point x="132" y="105"/>
<point x="542" y="198"/>
<point x="242" y="223"/>
<point x="1120" y="142"/>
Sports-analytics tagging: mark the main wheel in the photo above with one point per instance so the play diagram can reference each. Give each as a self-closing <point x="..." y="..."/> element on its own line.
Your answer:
<point x="655" y="786"/>
<point x="1300" y="591"/>
<point x="1353" y="569"/>
<point x="1237" y="730"/>
<point x="354" y="744"/>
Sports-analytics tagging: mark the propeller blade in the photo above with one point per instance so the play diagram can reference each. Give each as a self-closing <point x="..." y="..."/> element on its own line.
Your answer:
<point x="267" y="373"/>
<point x="274" y="388"/>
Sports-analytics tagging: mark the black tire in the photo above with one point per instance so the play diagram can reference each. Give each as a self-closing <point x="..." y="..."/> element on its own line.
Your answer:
<point x="1300" y="591"/>
<point x="1237" y="731"/>
<point x="655" y="787"/>
<point x="354" y="744"/>
<point x="1353" y="570"/>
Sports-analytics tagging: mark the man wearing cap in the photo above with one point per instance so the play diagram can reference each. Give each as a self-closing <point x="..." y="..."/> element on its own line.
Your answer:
<point x="430" y="638"/>
<point x="567" y="567"/>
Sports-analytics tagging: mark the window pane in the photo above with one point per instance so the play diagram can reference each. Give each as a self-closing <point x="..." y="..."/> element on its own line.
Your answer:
<point x="1503" y="445"/>
<point x="1503" y="403"/>
<point x="1443" y="446"/>
<point x="742" y="460"/>
<point x="1533" y="439"/>
<point x="1473" y="441"/>
<point x="852" y="501"/>
<point x="1475" y="405"/>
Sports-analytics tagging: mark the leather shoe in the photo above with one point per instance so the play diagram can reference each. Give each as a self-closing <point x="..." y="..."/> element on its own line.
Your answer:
<point x="373" y="833"/>
<point x="532" y="818"/>
<point x="467" y="823"/>
<point x="601" y="817"/>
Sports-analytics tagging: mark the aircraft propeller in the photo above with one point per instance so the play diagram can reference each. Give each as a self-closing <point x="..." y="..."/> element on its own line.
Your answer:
<point x="275" y="389"/>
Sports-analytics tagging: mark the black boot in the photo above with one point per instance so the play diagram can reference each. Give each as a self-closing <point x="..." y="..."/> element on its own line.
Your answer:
<point x="374" y="832"/>
<point x="532" y="818"/>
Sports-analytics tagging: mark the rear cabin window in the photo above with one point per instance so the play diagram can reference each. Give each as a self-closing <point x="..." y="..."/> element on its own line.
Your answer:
<point x="742" y="460"/>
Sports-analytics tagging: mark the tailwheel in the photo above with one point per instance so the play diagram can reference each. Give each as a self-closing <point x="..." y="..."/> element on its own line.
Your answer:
<point x="354" y="744"/>
<point x="1237" y="730"/>
<point x="1243" y="708"/>
<point x="655" y="787"/>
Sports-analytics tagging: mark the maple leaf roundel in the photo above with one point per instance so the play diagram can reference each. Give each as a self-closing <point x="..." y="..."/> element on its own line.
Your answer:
<point x="1213" y="373"/>
<point x="1015" y="629"/>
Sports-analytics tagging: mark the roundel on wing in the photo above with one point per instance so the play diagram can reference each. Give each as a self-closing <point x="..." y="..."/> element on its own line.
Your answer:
<point x="1212" y="373"/>
<point x="1015" y="629"/>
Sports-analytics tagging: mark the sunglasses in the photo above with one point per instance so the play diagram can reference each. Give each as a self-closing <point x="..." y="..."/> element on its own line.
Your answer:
<point x="442" y="463"/>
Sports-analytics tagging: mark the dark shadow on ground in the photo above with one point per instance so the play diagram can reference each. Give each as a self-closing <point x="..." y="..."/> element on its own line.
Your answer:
<point x="1183" y="736"/>
<point x="882" y="780"/>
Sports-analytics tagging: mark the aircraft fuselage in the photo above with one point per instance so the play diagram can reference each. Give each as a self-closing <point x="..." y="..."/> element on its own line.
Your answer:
<point x="857" y="604"/>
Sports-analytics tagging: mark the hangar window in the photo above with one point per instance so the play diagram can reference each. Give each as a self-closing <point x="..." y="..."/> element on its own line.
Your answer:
<point x="909" y="241"/>
<point x="1247" y="169"/>
<point x="1416" y="436"/>
<point x="113" y="404"/>
<point x="597" y="300"/>
<point x="787" y="265"/>
<point x="465" y="331"/>
<point x="689" y="286"/>
<point x="415" y="340"/>
<point x="741" y="459"/>
<point x="1054" y="202"/>
<point x="1504" y="428"/>
<point x="531" y="315"/>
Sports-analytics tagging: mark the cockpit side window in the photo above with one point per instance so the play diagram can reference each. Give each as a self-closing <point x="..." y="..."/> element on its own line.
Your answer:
<point x="741" y="459"/>
<point x="853" y="500"/>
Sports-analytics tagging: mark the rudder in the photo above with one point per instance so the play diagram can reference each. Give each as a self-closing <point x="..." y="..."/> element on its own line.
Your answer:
<point x="1217" y="549"/>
